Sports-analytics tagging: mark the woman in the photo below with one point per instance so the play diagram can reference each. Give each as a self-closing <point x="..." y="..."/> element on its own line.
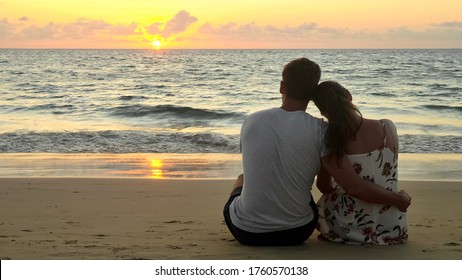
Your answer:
<point x="372" y="147"/>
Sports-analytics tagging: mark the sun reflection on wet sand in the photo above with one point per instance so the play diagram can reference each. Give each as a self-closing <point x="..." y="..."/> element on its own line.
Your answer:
<point x="156" y="168"/>
<point x="160" y="166"/>
<point x="189" y="166"/>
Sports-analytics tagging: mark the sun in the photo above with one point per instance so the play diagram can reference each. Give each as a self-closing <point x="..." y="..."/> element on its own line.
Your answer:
<point x="156" y="43"/>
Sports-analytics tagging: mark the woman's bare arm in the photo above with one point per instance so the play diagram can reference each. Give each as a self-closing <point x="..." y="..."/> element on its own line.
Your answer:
<point x="324" y="181"/>
<point x="344" y="174"/>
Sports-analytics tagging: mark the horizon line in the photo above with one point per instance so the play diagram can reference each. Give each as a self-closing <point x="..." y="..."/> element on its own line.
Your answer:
<point x="178" y="49"/>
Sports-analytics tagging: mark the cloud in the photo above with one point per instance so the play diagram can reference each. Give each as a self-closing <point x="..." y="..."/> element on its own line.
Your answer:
<point x="449" y="24"/>
<point x="442" y="32"/>
<point x="179" y="23"/>
<point x="169" y="30"/>
<point x="25" y="31"/>
<point x="34" y="32"/>
<point x="262" y="33"/>
<point x="6" y="28"/>
<point x="155" y="28"/>
<point x="311" y="35"/>
<point x="84" y="28"/>
<point x="272" y="36"/>
<point x="125" y="30"/>
<point x="252" y="31"/>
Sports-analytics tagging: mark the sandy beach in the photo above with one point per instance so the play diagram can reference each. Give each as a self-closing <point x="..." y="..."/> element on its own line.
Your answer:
<point x="120" y="218"/>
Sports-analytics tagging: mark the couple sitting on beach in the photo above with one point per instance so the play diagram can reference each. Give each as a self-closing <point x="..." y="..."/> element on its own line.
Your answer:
<point x="354" y="159"/>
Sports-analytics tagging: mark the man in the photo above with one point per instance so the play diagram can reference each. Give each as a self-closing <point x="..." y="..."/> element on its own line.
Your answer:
<point x="281" y="152"/>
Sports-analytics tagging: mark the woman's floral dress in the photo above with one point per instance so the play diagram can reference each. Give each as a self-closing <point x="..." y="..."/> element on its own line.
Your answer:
<point x="345" y="219"/>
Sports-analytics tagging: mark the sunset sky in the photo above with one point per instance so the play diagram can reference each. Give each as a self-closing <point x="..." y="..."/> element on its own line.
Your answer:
<point x="230" y="24"/>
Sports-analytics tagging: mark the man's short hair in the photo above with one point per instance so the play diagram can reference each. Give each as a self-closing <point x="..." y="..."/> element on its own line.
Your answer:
<point x="301" y="76"/>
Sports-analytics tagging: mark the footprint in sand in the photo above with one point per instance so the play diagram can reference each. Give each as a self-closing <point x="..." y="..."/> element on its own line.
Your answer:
<point x="172" y="222"/>
<point x="115" y="250"/>
<point x="178" y="222"/>
<point x="452" y="244"/>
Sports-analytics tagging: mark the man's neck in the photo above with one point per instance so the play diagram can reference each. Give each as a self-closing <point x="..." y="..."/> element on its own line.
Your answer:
<point x="292" y="105"/>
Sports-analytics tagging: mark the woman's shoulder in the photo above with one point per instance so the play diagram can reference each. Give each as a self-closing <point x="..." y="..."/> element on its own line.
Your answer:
<point x="391" y="135"/>
<point x="387" y="122"/>
<point x="390" y="126"/>
<point x="378" y="125"/>
<point x="373" y="135"/>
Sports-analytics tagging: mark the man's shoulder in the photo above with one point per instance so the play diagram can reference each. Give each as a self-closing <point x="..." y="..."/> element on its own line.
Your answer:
<point x="262" y="113"/>
<point x="278" y="112"/>
<point x="317" y="120"/>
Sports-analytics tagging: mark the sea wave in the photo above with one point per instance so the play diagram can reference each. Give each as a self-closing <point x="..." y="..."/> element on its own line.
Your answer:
<point x="443" y="107"/>
<point x="112" y="141"/>
<point x="172" y="110"/>
<point x="430" y="144"/>
<point x="53" y="108"/>
<point x="131" y="97"/>
<point x="138" y="141"/>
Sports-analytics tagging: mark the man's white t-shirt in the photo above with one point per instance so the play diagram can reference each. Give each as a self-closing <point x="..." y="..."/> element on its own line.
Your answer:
<point x="281" y="153"/>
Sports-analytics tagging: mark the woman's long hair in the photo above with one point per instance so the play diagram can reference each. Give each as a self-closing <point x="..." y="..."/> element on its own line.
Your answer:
<point x="334" y="102"/>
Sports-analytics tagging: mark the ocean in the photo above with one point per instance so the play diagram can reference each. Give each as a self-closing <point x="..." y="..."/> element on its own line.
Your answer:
<point x="194" y="101"/>
<point x="178" y="113"/>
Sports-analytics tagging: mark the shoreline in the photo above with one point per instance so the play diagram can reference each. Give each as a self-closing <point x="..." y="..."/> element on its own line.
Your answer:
<point x="178" y="219"/>
<point x="440" y="167"/>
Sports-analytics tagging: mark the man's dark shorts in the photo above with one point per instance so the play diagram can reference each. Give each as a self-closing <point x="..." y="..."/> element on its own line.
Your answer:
<point x="287" y="237"/>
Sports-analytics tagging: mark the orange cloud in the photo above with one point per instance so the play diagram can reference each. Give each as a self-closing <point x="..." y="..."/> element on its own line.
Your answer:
<point x="169" y="30"/>
<point x="79" y="29"/>
<point x="179" y="23"/>
<point x="26" y="30"/>
<point x="311" y="35"/>
<point x="178" y="31"/>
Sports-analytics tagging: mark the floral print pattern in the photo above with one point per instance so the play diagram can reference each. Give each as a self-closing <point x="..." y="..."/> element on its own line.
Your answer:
<point x="345" y="219"/>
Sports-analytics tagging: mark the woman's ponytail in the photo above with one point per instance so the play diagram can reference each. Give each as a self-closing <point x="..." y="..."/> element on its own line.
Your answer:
<point x="334" y="102"/>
